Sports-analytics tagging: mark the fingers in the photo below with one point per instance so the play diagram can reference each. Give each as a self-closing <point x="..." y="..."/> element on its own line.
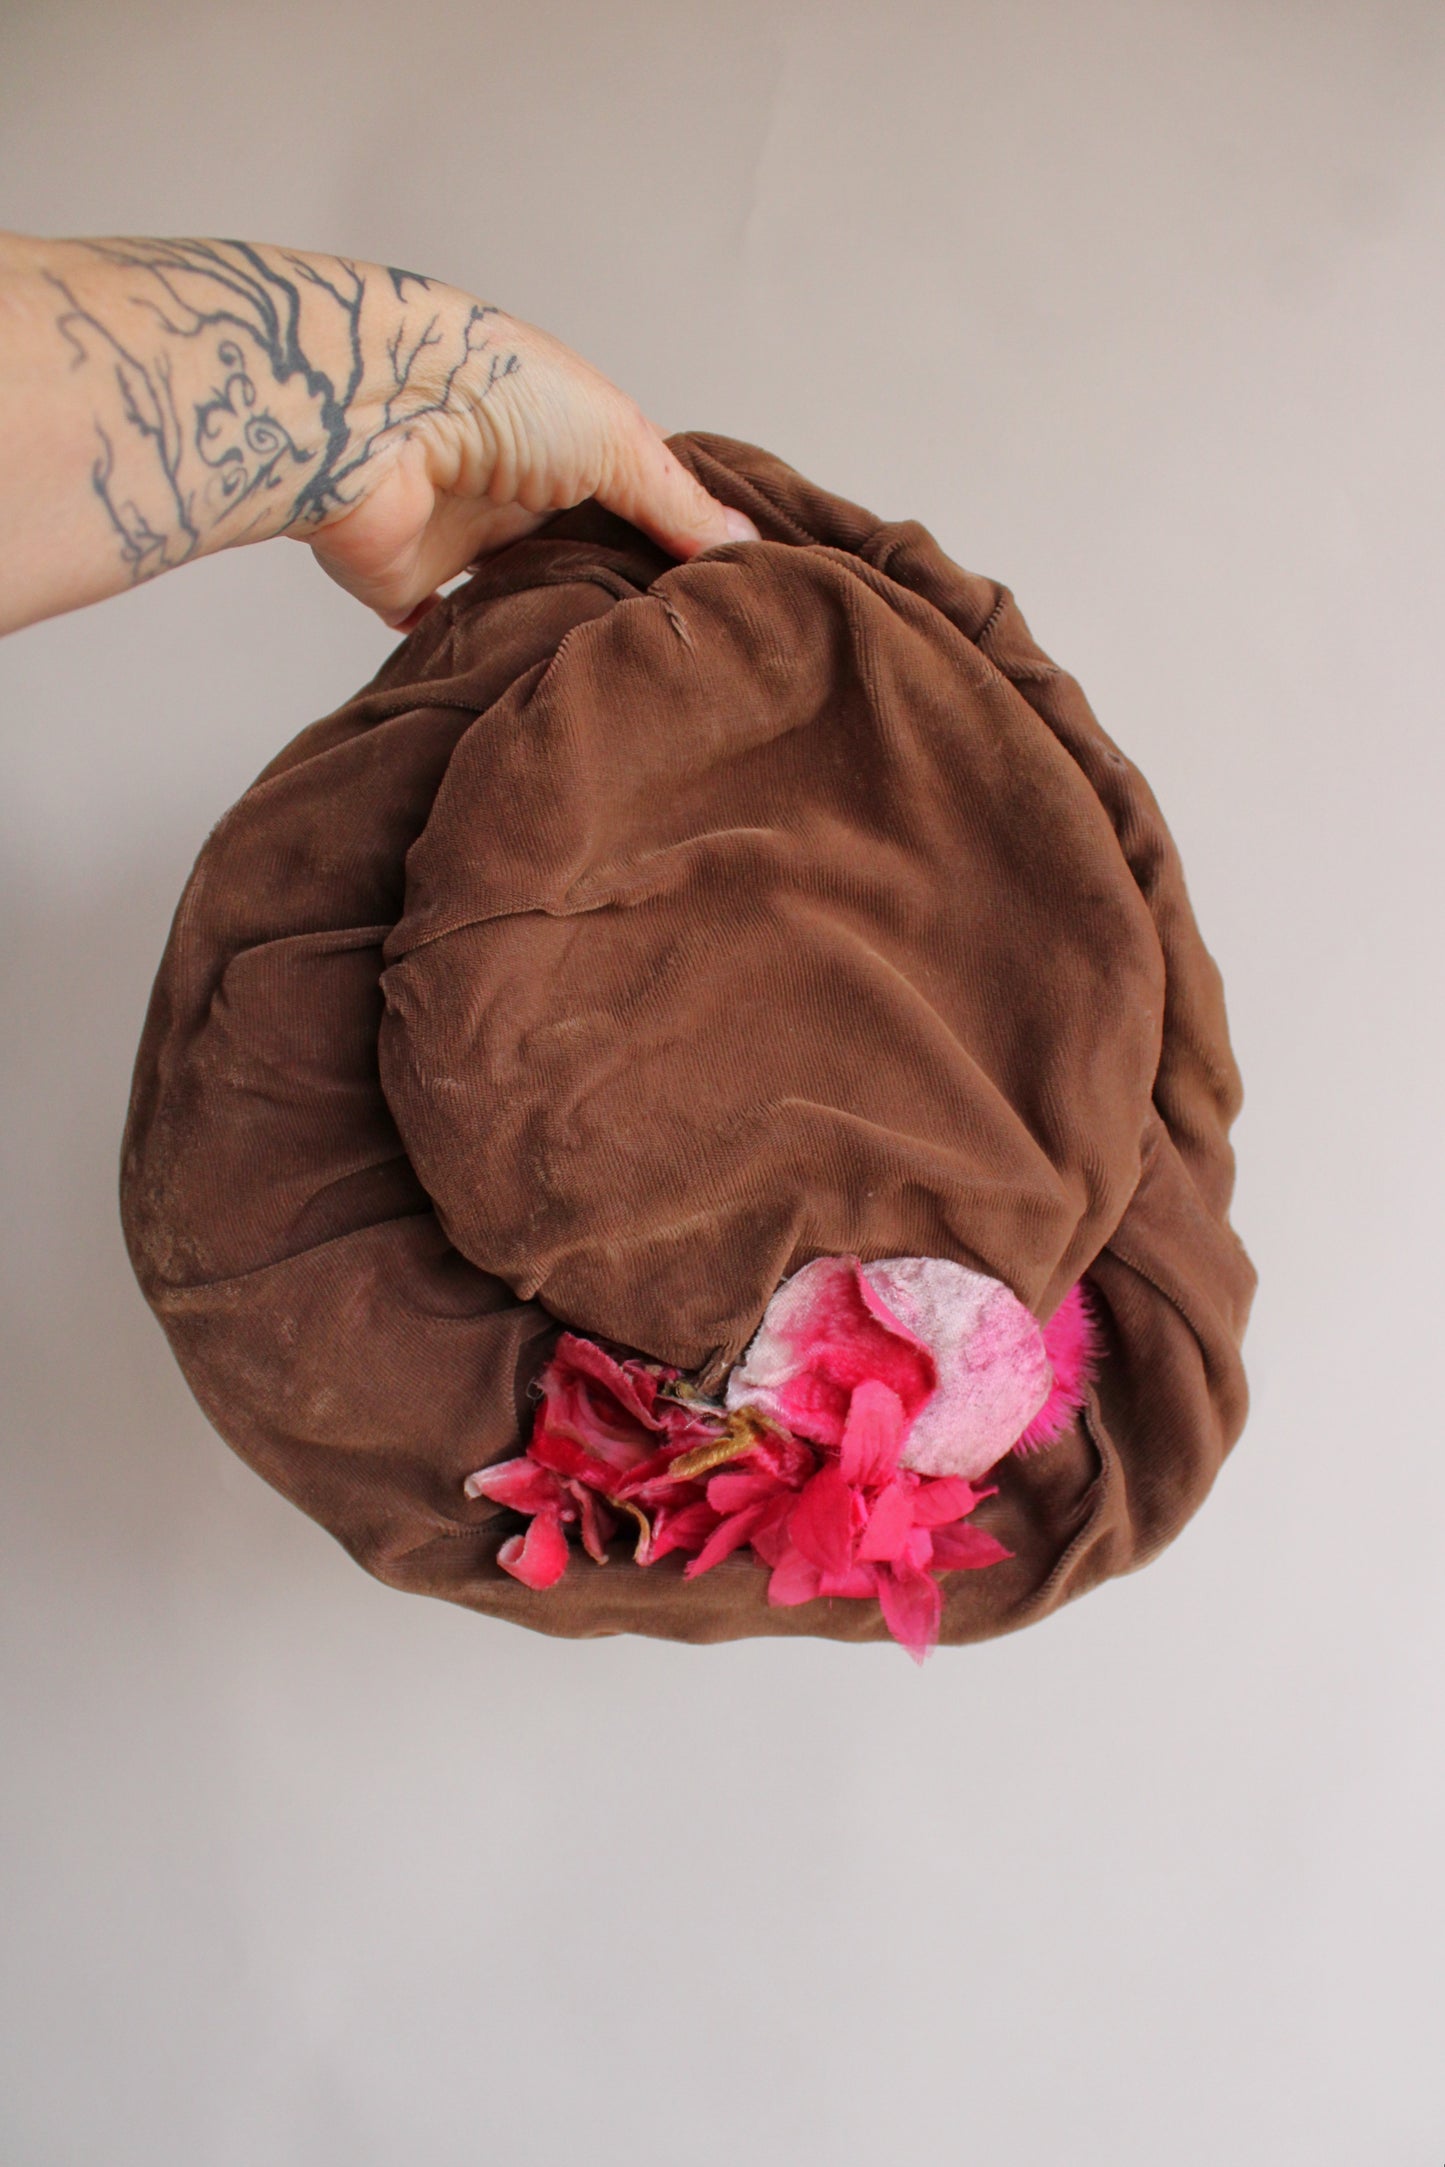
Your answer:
<point x="652" y="489"/>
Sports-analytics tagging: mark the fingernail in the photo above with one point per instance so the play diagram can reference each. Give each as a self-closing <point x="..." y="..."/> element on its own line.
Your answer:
<point x="740" y="527"/>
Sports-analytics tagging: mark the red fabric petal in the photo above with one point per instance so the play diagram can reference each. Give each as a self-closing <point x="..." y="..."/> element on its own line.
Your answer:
<point x="604" y="1408"/>
<point x="681" y="1527"/>
<point x="560" y="1451"/>
<point x="598" y="1524"/>
<point x="632" y="1387"/>
<point x="789" y="1458"/>
<point x="539" y="1558"/>
<point x="649" y="1473"/>
<point x="661" y="1489"/>
<point x="912" y="1603"/>
<point x="966" y="1547"/>
<point x="519" y="1483"/>
<point x="827" y="1520"/>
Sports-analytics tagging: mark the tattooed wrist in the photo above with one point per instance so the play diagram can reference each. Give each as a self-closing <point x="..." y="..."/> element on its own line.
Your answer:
<point x="240" y="391"/>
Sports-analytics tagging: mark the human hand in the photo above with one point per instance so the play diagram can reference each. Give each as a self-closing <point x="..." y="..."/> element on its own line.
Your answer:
<point x="164" y="398"/>
<point x="502" y="427"/>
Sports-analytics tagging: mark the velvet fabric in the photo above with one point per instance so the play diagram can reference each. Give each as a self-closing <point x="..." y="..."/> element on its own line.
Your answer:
<point x="641" y="932"/>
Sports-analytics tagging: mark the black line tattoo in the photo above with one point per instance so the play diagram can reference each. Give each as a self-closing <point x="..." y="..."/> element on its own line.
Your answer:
<point x="212" y="403"/>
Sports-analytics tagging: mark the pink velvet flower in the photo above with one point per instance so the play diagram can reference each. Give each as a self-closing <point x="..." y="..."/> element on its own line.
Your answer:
<point x="975" y="1373"/>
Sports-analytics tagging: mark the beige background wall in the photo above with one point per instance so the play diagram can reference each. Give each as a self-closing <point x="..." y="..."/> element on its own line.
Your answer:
<point x="1138" y="307"/>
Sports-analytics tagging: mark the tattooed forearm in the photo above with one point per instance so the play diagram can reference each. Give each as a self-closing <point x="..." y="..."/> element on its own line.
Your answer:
<point x="236" y="391"/>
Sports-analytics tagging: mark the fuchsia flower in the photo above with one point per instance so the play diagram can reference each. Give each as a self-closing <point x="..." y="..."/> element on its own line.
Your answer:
<point x="846" y="1451"/>
<point x="861" y="1525"/>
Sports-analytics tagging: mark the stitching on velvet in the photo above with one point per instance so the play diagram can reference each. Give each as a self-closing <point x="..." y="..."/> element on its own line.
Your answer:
<point x="1110" y="1471"/>
<point x="1132" y="1264"/>
<point x="990" y="623"/>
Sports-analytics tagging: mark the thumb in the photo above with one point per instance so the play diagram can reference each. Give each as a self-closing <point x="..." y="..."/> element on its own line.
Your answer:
<point x="653" y="490"/>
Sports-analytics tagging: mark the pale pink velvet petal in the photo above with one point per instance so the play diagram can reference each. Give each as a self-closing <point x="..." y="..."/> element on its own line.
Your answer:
<point x="539" y="1558"/>
<point x="519" y="1483"/>
<point x="872" y="1434"/>
<point x="912" y="1604"/>
<point x="825" y="1330"/>
<point x="1074" y="1342"/>
<point x="827" y="1520"/>
<point x="993" y="1370"/>
<point x="794" y="1579"/>
<point x="890" y="1522"/>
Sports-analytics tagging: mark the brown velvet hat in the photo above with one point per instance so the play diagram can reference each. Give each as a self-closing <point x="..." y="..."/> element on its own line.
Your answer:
<point x="642" y="933"/>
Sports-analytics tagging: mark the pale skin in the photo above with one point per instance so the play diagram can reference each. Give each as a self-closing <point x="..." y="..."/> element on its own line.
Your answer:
<point x="164" y="399"/>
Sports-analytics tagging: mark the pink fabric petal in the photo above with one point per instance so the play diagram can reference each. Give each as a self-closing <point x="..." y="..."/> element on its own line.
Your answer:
<point x="771" y="1539"/>
<point x="794" y="1579"/>
<point x="912" y="1604"/>
<point x="872" y="1433"/>
<point x="825" y="1330"/>
<point x="860" y="1579"/>
<point x="519" y="1483"/>
<point x="729" y="1535"/>
<point x="917" y="1549"/>
<point x="827" y="1520"/>
<point x="539" y="1558"/>
<point x="890" y="1523"/>
<point x="733" y="1489"/>
<point x="1074" y="1342"/>
<point x="948" y="1498"/>
<point x="966" y="1547"/>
